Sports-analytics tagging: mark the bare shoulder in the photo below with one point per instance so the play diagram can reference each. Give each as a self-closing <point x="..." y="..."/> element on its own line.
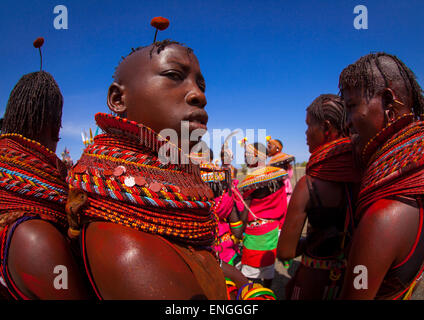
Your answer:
<point x="390" y="224"/>
<point x="131" y="264"/>
<point x="390" y="215"/>
<point x="37" y="247"/>
<point x="34" y="239"/>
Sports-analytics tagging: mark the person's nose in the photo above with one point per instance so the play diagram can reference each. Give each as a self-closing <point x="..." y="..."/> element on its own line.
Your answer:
<point x="196" y="97"/>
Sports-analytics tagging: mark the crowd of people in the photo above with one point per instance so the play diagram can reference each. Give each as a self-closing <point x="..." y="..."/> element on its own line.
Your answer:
<point x="127" y="226"/>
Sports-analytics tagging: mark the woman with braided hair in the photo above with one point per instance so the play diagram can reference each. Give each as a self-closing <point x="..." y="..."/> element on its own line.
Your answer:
<point x="385" y="106"/>
<point x="33" y="195"/>
<point x="323" y="196"/>
<point x="147" y="228"/>
<point x="265" y="202"/>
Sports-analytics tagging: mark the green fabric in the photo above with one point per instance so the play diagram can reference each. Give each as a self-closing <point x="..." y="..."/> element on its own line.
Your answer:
<point x="231" y="262"/>
<point x="265" y="242"/>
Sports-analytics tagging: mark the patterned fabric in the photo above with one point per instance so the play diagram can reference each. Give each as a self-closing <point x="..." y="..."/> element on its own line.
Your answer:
<point x="31" y="180"/>
<point x="333" y="162"/>
<point x="127" y="183"/>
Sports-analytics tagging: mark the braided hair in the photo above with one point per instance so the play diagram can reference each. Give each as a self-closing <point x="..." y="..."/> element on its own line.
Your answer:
<point x="329" y="107"/>
<point x="377" y="71"/>
<point x="34" y="105"/>
<point x="158" y="46"/>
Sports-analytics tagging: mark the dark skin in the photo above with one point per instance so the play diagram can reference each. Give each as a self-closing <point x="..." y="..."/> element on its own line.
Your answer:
<point x="290" y="244"/>
<point x="36" y="248"/>
<point x="387" y="229"/>
<point x="158" y="92"/>
<point x="273" y="147"/>
<point x="176" y="75"/>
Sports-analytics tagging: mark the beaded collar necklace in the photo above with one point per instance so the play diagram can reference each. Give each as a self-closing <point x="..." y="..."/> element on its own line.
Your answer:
<point x="127" y="184"/>
<point x="369" y="153"/>
<point x="263" y="177"/>
<point x="31" y="178"/>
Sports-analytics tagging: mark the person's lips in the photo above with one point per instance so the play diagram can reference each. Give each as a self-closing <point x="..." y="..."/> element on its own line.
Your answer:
<point x="198" y="120"/>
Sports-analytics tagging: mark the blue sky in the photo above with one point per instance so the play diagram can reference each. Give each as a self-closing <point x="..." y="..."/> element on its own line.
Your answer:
<point x="263" y="61"/>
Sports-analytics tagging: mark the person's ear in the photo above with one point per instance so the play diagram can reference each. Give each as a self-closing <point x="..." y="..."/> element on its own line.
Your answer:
<point x="327" y="127"/>
<point x="387" y="97"/>
<point x="389" y="101"/>
<point x="116" y="98"/>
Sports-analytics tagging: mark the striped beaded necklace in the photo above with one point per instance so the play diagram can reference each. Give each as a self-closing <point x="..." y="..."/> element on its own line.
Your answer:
<point x="268" y="176"/>
<point x="32" y="179"/>
<point x="396" y="167"/>
<point x="126" y="183"/>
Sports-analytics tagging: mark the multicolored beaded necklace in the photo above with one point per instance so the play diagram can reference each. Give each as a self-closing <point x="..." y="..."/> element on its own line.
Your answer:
<point x="263" y="177"/>
<point x="280" y="159"/>
<point x="126" y="183"/>
<point x="32" y="179"/>
<point x="396" y="167"/>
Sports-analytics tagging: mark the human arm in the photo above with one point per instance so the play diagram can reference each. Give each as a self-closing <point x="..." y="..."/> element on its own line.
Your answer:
<point x="234" y="217"/>
<point x="291" y="230"/>
<point x="234" y="274"/>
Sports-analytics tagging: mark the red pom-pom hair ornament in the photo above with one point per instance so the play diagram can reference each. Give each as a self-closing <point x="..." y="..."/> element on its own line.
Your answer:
<point x="160" y="23"/>
<point x="38" y="43"/>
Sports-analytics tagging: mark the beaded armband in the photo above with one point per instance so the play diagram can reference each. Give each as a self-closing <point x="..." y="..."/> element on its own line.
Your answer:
<point x="231" y="287"/>
<point x="255" y="291"/>
<point x="236" y="225"/>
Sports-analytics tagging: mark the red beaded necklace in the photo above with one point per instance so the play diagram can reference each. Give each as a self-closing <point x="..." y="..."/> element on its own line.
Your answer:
<point x="31" y="179"/>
